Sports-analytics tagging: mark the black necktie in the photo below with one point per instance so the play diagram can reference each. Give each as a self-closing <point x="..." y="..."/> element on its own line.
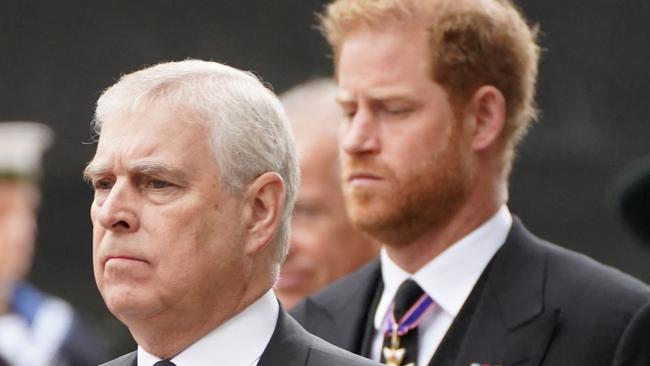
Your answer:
<point x="407" y="295"/>
<point x="164" y="363"/>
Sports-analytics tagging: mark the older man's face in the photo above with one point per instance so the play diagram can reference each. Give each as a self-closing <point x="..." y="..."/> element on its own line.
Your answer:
<point x="166" y="238"/>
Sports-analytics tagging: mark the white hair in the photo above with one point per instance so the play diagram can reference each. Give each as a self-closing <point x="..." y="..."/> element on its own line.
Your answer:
<point x="319" y="92"/>
<point x="250" y="132"/>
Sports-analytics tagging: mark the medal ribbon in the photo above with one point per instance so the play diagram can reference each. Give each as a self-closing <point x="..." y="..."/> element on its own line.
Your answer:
<point x="411" y="319"/>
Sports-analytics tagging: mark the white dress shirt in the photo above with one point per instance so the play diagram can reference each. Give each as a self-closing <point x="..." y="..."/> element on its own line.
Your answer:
<point x="240" y="341"/>
<point x="448" y="279"/>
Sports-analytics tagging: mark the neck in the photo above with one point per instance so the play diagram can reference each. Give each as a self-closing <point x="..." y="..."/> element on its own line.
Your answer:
<point x="480" y="206"/>
<point x="167" y="335"/>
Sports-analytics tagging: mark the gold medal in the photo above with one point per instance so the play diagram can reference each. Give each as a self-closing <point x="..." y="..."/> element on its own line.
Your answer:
<point x="394" y="355"/>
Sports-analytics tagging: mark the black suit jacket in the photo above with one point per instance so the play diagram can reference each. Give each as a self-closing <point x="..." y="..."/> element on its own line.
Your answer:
<point x="290" y="345"/>
<point x="535" y="304"/>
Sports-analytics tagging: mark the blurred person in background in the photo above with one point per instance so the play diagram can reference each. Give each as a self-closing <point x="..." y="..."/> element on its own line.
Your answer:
<point x="324" y="246"/>
<point x="36" y="329"/>
<point x="437" y="96"/>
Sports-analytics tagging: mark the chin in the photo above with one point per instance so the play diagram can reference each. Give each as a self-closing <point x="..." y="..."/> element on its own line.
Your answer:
<point x="125" y="304"/>
<point x="368" y="217"/>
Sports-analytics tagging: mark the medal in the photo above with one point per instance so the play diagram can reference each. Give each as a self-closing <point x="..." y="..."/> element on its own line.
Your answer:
<point x="394" y="354"/>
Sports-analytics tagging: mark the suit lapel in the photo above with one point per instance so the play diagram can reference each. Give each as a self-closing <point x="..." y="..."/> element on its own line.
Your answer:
<point x="288" y="339"/>
<point x="509" y="325"/>
<point x="368" y="328"/>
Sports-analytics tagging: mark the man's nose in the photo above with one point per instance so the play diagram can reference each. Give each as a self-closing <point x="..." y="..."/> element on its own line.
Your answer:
<point x="119" y="211"/>
<point x="359" y="136"/>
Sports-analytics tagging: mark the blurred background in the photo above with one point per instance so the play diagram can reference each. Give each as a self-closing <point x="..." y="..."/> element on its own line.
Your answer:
<point x="57" y="56"/>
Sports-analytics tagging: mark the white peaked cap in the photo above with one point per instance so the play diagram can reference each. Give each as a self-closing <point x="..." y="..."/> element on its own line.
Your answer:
<point x="21" y="148"/>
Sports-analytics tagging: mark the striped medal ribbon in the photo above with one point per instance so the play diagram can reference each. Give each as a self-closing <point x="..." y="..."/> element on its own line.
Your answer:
<point x="411" y="319"/>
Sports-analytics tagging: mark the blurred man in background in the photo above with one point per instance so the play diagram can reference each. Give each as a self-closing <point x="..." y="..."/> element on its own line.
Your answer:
<point x="35" y="329"/>
<point x="324" y="246"/>
<point x="437" y="96"/>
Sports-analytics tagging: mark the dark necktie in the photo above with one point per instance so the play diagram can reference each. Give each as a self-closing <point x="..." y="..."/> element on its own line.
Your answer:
<point x="411" y="304"/>
<point x="164" y="363"/>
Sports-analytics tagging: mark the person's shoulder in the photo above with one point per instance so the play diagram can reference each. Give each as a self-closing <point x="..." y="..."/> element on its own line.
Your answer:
<point x="323" y="353"/>
<point x="124" y="360"/>
<point x="363" y="277"/>
<point x="571" y="275"/>
<point x="583" y="272"/>
<point x="358" y="283"/>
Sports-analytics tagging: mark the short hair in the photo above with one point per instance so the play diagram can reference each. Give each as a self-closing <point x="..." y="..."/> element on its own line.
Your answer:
<point x="312" y="89"/>
<point x="472" y="43"/>
<point x="250" y="132"/>
<point x="314" y="113"/>
<point x="314" y="96"/>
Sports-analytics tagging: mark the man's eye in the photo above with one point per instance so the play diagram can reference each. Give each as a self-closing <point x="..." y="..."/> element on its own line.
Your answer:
<point x="158" y="184"/>
<point x="348" y="112"/>
<point x="397" y="110"/>
<point x="300" y="210"/>
<point x="103" y="184"/>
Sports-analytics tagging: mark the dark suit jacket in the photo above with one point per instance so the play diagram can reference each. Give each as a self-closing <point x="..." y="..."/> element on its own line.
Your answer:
<point x="290" y="345"/>
<point x="535" y="304"/>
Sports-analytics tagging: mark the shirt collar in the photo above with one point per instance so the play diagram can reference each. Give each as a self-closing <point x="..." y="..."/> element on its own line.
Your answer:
<point x="450" y="277"/>
<point x="240" y="341"/>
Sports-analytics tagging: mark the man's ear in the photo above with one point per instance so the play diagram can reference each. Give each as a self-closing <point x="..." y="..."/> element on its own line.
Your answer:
<point x="488" y="111"/>
<point x="262" y="210"/>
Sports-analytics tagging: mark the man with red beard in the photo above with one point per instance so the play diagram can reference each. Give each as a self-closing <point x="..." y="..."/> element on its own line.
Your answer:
<point x="437" y="96"/>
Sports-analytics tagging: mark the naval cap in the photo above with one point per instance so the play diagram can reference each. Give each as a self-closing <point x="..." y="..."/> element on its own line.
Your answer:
<point x="21" y="148"/>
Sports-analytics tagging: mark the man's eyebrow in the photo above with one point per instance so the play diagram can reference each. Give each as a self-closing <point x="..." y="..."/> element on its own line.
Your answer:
<point x="157" y="168"/>
<point x="93" y="169"/>
<point x="343" y="97"/>
<point x="386" y="93"/>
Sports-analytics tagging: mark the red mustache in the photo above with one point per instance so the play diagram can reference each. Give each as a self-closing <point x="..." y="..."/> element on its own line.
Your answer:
<point x="358" y="166"/>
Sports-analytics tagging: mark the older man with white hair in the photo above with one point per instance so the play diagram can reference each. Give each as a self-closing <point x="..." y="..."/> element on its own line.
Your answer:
<point x="195" y="177"/>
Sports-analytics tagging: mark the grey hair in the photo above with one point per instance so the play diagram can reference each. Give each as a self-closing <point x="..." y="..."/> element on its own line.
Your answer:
<point x="250" y="132"/>
<point x="321" y="90"/>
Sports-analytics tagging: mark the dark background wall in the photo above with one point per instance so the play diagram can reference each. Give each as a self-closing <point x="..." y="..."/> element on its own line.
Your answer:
<point x="56" y="57"/>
